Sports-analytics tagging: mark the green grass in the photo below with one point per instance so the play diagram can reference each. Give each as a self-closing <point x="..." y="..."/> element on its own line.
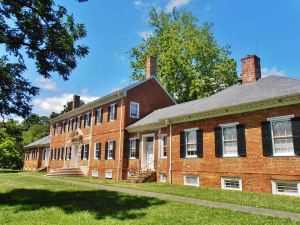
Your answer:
<point x="259" y="200"/>
<point x="31" y="200"/>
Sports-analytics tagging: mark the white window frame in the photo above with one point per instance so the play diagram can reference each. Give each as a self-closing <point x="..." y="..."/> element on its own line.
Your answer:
<point x="55" y="129"/>
<point x="223" y="179"/>
<point x="87" y="118"/>
<point x="188" y="184"/>
<point x="229" y="125"/>
<point x="107" y="172"/>
<point x="138" y="110"/>
<point x="71" y="122"/>
<point x="95" y="150"/>
<point x="85" y="151"/>
<point x="186" y="144"/>
<point x="130" y="148"/>
<point x="44" y="154"/>
<point x="274" y="184"/>
<point x="60" y="154"/>
<point x="276" y="119"/>
<point x="99" y="115"/>
<point x="63" y="127"/>
<point x="112" y="112"/>
<point x="78" y="122"/>
<point x="110" y="143"/>
<point x="95" y="173"/>
<point x="162" y="146"/>
<point x="162" y="179"/>
<point x="53" y="154"/>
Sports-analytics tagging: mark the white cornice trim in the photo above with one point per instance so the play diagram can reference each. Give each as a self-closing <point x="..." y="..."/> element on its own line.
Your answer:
<point x="248" y="107"/>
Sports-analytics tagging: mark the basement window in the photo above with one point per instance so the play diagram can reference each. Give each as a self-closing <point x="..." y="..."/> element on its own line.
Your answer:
<point x="108" y="174"/>
<point x="191" y="180"/>
<point x="163" y="177"/>
<point x="284" y="187"/>
<point x="95" y="173"/>
<point x="231" y="183"/>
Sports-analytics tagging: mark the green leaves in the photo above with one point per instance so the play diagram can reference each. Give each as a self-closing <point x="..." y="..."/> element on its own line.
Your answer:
<point x="190" y="63"/>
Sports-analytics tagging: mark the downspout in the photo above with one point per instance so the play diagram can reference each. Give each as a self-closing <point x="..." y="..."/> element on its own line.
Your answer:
<point x="90" y="142"/>
<point x="170" y="163"/>
<point x="120" y="139"/>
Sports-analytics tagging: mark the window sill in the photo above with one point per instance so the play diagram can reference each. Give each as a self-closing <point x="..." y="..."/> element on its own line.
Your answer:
<point x="163" y="158"/>
<point x="230" y="156"/>
<point x="134" y="117"/>
<point x="96" y="159"/>
<point x="191" y="157"/>
<point x="131" y="158"/>
<point x="283" y="155"/>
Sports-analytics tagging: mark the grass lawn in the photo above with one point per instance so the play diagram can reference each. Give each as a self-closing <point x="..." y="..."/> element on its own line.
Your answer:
<point x="260" y="200"/>
<point x="30" y="200"/>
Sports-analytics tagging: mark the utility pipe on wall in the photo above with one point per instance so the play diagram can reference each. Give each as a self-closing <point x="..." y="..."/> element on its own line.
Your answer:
<point x="170" y="163"/>
<point x="120" y="139"/>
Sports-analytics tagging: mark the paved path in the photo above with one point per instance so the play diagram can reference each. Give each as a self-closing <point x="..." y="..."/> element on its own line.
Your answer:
<point x="233" y="207"/>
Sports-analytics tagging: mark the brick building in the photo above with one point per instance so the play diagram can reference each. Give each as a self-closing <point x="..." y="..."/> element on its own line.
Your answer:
<point x="246" y="137"/>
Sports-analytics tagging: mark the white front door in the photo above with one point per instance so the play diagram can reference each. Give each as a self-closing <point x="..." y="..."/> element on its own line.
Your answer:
<point x="149" y="153"/>
<point x="74" y="156"/>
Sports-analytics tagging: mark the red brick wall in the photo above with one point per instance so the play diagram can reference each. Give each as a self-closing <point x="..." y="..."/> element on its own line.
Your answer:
<point x="32" y="164"/>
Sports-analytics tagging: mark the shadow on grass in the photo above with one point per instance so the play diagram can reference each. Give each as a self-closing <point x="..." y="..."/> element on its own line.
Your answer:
<point x="9" y="171"/>
<point x="100" y="203"/>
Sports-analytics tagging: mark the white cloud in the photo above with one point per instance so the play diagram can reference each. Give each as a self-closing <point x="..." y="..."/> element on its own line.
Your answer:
<point x="265" y="72"/>
<point x="56" y="103"/>
<point x="47" y="84"/>
<point x="137" y="3"/>
<point x="145" y="34"/>
<point x="176" y="3"/>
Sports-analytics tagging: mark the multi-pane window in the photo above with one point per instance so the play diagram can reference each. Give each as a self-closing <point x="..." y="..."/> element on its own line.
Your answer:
<point x="98" y="116"/>
<point x="112" y="112"/>
<point x="60" y="153"/>
<point x="132" y="149"/>
<point x="191" y="180"/>
<point x="53" y="154"/>
<point x="108" y="173"/>
<point x="55" y="129"/>
<point x="286" y="187"/>
<point x="87" y="118"/>
<point x="163" y="146"/>
<point x="63" y="127"/>
<point x="70" y="126"/>
<point x="85" y="149"/>
<point x="163" y="177"/>
<point x="97" y="150"/>
<point x="191" y="143"/>
<point x="231" y="183"/>
<point x="282" y="137"/>
<point x="229" y="140"/>
<point x="68" y="153"/>
<point x="78" y="125"/>
<point x="134" y="110"/>
<point x="110" y="150"/>
<point x="44" y="154"/>
<point x="95" y="173"/>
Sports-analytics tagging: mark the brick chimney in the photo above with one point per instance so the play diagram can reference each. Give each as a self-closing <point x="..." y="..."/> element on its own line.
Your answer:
<point x="250" y="69"/>
<point x="76" y="102"/>
<point x="151" y="65"/>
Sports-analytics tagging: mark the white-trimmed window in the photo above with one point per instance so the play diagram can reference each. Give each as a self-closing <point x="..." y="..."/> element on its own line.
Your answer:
<point x="285" y="187"/>
<point x="163" y="177"/>
<point x="35" y="154"/>
<point x="282" y="136"/>
<point x="95" y="173"/>
<point x="163" y="146"/>
<point x="231" y="183"/>
<point x="108" y="173"/>
<point x="229" y="137"/>
<point x="98" y="116"/>
<point x="191" y="180"/>
<point x="55" y="129"/>
<point x="191" y="142"/>
<point x="60" y="153"/>
<point x="112" y="112"/>
<point x="132" y="154"/>
<point x="68" y="153"/>
<point x="134" y="110"/>
<point x="110" y="150"/>
<point x="87" y="119"/>
<point x="85" y="152"/>
<point x="97" y="152"/>
<point x="70" y="126"/>
<point x="78" y="125"/>
<point x="44" y="154"/>
<point x="63" y="127"/>
<point x="53" y="153"/>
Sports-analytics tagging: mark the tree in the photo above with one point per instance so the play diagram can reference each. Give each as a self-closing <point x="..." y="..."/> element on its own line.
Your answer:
<point x="43" y="32"/>
<point x="190" y="64"/>
<point x="67" y="107"/>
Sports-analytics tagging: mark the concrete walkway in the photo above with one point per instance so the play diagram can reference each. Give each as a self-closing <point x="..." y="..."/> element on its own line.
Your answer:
<point x="233" y="207"/>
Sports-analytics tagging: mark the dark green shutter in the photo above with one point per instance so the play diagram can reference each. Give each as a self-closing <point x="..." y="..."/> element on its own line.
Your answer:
<point x="182" y="145"/>
<point x="108" y="114"/>
<point x="241" y="140"/>
<point x="114" y="149"/>
<point x="96" y="115"/>
<point x="66" y="153"/>
<point x="296" y="134"/>
<point x="63" y="153"/>
<point x="90" y="119"/>
<point x="88" y="151"/>
<point x="101" y="115"/>
<point x="116" y="110"/>
<point x="137" y="148"/>
<point x="127" y="149"/>
<point x="106" y="150"/>
<point x="200" y="143"/>
<point x="218" y="142"/>
<point x="99" y="150"/>
<point x="82" y="151"/>
<point x="84" y="121"/>
<point x="70" y="152"/>
<point x="266" y="138"/>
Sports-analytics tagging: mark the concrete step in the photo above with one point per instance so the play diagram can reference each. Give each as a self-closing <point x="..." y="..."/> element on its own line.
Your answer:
<point x="68" y="172"/>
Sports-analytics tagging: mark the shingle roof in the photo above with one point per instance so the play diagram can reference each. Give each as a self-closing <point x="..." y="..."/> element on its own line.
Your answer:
<point x="265" y="88"/>
<point x="41" y="142"/>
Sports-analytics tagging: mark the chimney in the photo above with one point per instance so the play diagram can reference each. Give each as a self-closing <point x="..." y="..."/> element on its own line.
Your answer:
<point x="250" y="69"/>
<point x="151" y="66"/>
<point x="76" y="102"/>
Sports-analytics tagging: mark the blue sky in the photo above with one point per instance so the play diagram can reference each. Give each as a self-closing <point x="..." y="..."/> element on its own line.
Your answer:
<point x="115" y="26"/>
